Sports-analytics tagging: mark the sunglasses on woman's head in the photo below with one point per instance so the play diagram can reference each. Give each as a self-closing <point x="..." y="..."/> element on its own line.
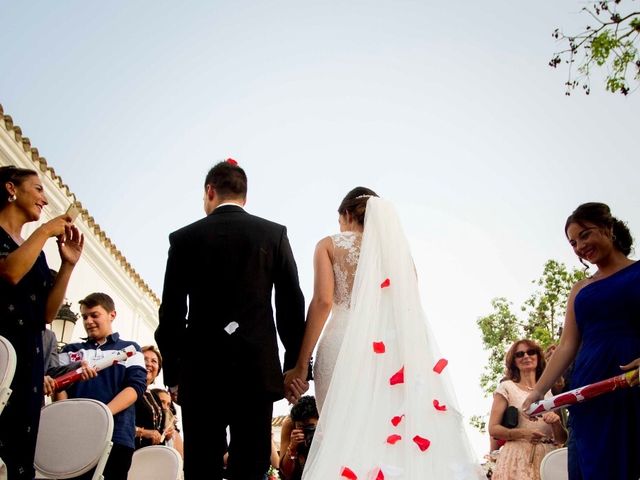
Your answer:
<point x="531" y="352"/>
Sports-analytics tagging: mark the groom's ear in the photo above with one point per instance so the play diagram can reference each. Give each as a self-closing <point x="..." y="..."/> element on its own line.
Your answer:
<point x="210" y="192"/>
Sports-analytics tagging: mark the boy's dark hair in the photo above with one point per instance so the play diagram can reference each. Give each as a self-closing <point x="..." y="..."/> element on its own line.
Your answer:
<point x="305" y="408"/>
<point x="228" y="180"/>
<point x="98" y="299"/>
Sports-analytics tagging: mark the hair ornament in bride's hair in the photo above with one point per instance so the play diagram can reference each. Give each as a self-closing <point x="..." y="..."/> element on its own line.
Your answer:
<point x="364" y="196"/>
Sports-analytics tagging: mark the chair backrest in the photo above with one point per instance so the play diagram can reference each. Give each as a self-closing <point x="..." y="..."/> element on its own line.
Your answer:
<point x="7" y="370"/>
<point x="74" y="437"/>
<point x="156" y="463"/>
<point x="554" y="465"/>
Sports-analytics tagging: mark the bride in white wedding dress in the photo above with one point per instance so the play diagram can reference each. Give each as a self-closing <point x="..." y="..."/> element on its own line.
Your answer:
<point x="387" y="407"/>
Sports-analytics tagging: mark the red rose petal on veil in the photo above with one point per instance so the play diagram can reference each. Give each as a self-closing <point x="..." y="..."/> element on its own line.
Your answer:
<point x="397" y="377"/>
<point x="440" y="408"/>
<point x="378" y="347"/>
<point x="348" y="473"/>
<point x="440" y="364"/>
<point x="396" y="420"/>
<point x="392" y="439"/>
<point x="386" y="283"/>
<point x="231" y="161"/>
<point x="422" y="443"/>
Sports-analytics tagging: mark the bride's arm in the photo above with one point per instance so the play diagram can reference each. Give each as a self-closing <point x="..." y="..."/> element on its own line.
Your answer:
<point x="319" y="308"/>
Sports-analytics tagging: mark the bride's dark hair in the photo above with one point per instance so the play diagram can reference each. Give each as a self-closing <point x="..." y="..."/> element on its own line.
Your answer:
<point x="355" y="203"/>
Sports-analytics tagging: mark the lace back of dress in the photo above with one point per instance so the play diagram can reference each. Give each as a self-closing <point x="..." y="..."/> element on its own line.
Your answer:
<point x="346" y="252"/>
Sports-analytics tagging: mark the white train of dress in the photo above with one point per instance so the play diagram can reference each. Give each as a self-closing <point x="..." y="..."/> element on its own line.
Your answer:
<point x="386" y="412"/>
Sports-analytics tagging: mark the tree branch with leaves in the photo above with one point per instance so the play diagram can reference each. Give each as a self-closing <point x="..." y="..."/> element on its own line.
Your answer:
<point x="611" y="43"/>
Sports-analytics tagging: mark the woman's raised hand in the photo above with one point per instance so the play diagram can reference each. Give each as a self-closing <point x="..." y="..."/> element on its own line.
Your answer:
<point x="70" y="244"/>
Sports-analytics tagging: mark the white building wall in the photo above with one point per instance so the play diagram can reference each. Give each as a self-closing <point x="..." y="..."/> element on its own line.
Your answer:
<point x="102" y="268"/>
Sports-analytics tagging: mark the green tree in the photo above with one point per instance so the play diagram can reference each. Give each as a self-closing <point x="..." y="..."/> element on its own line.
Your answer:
<point x="610" y="42"/>
<point x="540" y="318"/>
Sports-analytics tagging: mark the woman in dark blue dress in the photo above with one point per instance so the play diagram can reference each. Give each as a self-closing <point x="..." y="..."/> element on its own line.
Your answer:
<point x="29" y="298"/>
<point x="602" y="337"/>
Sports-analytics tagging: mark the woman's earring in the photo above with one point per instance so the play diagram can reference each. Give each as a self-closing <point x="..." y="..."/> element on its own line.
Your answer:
<point x="12" y="198"/>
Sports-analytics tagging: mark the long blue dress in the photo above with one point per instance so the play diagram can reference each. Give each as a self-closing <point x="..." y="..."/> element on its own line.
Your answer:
<point x="606" y="429"/>
<point x="22" y="319"/>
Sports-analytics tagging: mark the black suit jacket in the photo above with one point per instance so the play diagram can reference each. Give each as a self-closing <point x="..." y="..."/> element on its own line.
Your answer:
<point x="223" y="269"/>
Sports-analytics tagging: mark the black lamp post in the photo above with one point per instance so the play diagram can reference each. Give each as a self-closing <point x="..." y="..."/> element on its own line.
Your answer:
<point x="63" y="324"/>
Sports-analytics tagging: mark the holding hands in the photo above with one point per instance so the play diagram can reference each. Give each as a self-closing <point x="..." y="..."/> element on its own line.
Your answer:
<point x="295" y="384"/>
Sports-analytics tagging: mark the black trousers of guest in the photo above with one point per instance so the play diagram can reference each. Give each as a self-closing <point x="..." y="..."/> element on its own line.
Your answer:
<point x="117" y="467"/>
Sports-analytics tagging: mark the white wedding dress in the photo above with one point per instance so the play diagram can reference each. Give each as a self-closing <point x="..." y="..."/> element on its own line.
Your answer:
<point x="384" y="412"/>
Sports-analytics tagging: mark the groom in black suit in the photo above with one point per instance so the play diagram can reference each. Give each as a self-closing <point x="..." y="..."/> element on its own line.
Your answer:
<point x="216" y="326"/>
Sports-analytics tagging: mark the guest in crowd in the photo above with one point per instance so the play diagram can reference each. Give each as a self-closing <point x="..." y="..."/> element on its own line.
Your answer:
<point x="531" y="440"/>
<point x="150" y="417"/>
<point x="29" y="299"/>
<point x="601" y="335"/>
<point x="296" y="436"/>
<point x="173" y="438"/>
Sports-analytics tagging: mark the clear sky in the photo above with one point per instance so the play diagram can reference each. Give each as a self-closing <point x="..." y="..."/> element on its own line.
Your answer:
<point x="446" y="108"/>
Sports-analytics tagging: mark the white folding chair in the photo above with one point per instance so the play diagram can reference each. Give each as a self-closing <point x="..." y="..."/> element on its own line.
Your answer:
<point x="74" y="437"/>
<point x="7" y="370"/>
<point x="554" y="465"/>
<point x="156" y="463"/>
<point x="8" y="362"/>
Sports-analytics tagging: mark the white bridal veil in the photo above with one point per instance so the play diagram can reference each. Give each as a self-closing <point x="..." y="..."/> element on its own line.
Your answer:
<point x="388" y="414"/>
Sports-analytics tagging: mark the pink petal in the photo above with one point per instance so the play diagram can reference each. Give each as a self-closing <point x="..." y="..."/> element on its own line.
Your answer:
<point x="397" y="377"/>
<point x="440" y="408"/>
<point x="392" y="439"/>
<point x="422" y="443"/>
<point x="386" y="283"/>
<point x="439" y="366"/>
<point x="348" y="473"/>
<point x="378" y="347"/>
<point x="396" y="420"/>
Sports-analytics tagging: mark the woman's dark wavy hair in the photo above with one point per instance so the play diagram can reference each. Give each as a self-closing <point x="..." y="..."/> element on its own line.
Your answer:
<point x="14" y="175"/>
<point x="599" y="214"/>
<point x="305" y="409"/>
<point x="512" y="372"/>
<point x="354" y="206"/>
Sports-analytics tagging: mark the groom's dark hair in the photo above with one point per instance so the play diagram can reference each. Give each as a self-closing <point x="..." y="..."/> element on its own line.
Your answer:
<point x="228" y="180"/>
<point x="355" y="203"/>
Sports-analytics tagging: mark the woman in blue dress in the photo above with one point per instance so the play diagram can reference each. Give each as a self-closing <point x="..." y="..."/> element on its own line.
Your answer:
<point x="29" y="298"/>
<point x="602" y="337"/>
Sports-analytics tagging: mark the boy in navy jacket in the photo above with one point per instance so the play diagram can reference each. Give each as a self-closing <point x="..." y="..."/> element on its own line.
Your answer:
<point x="118" y="386"/>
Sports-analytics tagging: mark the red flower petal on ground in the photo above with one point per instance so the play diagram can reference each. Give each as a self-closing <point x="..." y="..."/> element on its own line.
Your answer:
<point x="392" y="439"/>
<point x="386" y="283"/>
<point x="380" y="475"/>
<point x="396" y="420"/>
<point x="397" y="377"/>
<point x="440" y="364"/>
<point x="422" y="443"/>
<point x="348" y="473"/>
<point x="231" y="161"/>
<point x="378" y="347"/>
<point x="440" y="408"/>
